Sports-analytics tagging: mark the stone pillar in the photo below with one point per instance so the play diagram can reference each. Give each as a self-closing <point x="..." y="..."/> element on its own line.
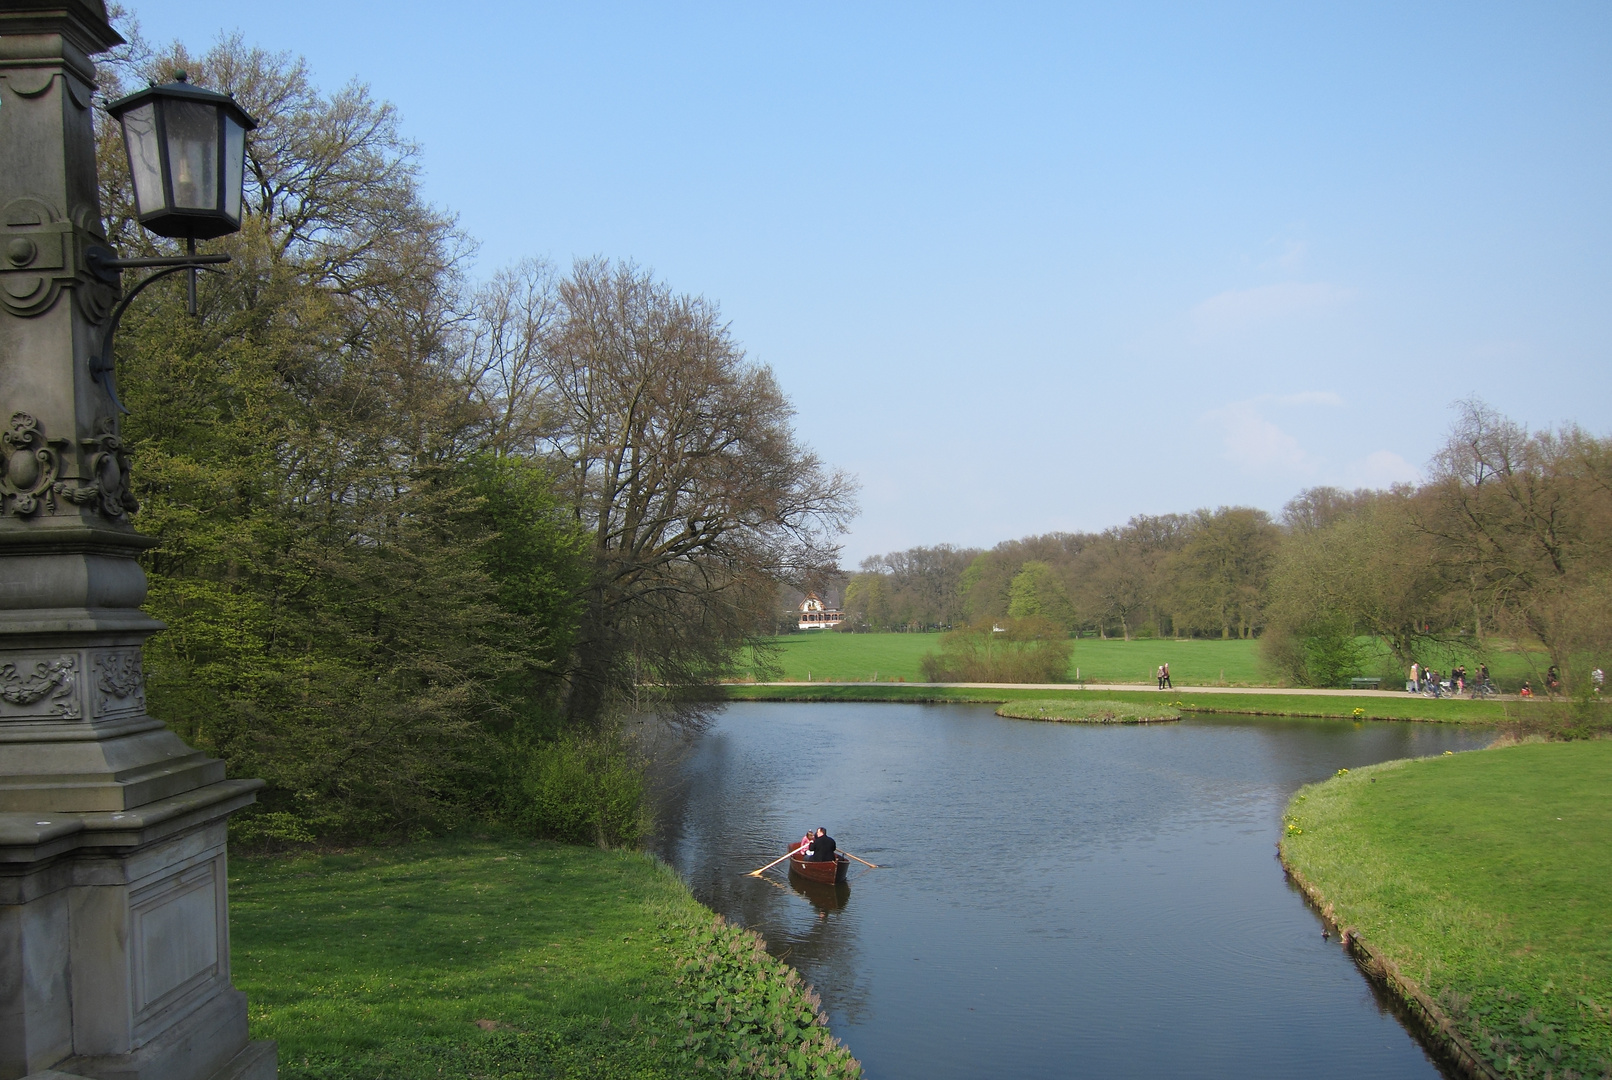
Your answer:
<point x="114" y="929"/>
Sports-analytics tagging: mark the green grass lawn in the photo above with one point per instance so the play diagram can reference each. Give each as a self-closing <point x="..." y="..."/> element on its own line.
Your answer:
<point x="1409" y="707"/>
<point x="836" y="657"/>
<point x="839" y="657"/>
<point x="495" y="957"/>
<point x="1486" y="879"/>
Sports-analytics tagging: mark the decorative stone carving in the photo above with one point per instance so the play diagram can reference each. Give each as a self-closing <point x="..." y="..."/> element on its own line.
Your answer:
<point x="35" y="250"/>
<point x="95" y="295"/>
<point x="120" y="682"/>
<point x="28" y="466"/>
<point x="40" y="254"/>
<point x="42" y="687"/>
<point x="109" y="465"/>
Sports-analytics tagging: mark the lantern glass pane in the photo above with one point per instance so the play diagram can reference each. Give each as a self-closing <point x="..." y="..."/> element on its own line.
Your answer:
<point x="145" y="157"/>
<point x="192" y="153"/>
<point x="234" y="153"/>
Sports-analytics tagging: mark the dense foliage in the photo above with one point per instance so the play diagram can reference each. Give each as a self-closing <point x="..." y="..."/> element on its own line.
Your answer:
<point x="421" y="542"/>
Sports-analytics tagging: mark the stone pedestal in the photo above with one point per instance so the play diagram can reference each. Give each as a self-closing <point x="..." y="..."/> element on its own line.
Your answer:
<point x="114" y="934"/>
<point x="114" y="928"/>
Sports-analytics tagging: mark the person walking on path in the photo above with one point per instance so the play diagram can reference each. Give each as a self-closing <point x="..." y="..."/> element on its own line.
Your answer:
<point x="1415" y="678"/>
<point x="1158" y="674"/>
<point x="1166" y="683"/>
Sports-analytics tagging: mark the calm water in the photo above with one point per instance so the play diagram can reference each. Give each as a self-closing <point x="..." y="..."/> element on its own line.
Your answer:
<point x="1053" y="899"/>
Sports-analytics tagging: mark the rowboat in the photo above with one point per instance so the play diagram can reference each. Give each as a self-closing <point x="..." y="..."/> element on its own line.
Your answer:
<point x="830" y="872"/>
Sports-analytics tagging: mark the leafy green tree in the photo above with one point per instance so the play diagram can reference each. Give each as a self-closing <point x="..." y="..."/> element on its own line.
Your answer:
<point x="1221" y="571"/>
<point x="1036" y="590"/>
<point x="346" y="616"/>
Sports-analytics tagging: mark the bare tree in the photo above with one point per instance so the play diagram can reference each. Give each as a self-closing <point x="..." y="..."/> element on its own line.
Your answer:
<point x="1524" y="521"/>
<point x="676" y="456"/>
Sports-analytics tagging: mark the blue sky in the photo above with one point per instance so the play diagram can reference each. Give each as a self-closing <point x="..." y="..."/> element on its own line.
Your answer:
<point x="1033" y="267"/>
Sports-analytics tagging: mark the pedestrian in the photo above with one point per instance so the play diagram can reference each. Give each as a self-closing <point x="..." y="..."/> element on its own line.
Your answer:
<point x="1415" y="678"/>
<point x="1167" y="682"/>
<point x="1597" y="680"/>
<point x="1158" y="674"/>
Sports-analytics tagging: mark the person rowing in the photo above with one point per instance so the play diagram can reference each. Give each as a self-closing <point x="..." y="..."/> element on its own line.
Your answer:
<point x="822" y="848"/>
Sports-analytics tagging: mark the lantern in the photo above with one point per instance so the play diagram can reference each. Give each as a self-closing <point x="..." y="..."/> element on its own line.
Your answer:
<point x="187" y="150"/>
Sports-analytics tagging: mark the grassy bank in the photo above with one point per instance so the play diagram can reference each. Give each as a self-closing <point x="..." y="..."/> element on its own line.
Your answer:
<point x="495" y="957"/>
<point x="1482" y="884"/>
<point x="837" y="657"/>
<point x="1342" y="707"/>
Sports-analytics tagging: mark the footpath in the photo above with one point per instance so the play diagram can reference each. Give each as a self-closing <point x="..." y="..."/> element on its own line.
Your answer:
<point x="1140" y="688"/>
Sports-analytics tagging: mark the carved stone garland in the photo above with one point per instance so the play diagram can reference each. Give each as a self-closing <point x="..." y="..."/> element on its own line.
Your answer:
<point x="50" y="678"/>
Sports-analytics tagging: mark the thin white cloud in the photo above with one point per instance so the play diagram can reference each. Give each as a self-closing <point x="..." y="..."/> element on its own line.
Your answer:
<point x="1255" y="443"/>
<point x="1305" y="397"/>
<point x="1292" y="260"/>
<point x="1243" y="309"/>
<point x="1381" y="469"/>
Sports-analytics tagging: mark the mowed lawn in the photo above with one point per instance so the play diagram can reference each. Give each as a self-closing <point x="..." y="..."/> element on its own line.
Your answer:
<point x="424" y="960"/>
<point x="1486" y="878"/>
<point x="835" y="657"/>
<point x="821" y="656"/>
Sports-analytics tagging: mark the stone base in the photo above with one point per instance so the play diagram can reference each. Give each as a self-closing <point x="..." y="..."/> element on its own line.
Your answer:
<point x="201" y="1048"/>
<point x="259" y="1061"/>
<point x="114" y="944"/>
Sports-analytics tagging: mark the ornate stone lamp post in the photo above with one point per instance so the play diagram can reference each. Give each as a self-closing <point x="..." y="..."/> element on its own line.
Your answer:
<point x="114" y="930"/>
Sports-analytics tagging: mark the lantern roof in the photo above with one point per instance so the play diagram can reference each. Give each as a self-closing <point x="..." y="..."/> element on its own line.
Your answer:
<point x="181" y="88"/>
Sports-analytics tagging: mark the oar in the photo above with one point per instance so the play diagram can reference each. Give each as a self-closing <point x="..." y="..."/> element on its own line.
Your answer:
<point x="775" y="862"/>
<point x="848" y="855"/>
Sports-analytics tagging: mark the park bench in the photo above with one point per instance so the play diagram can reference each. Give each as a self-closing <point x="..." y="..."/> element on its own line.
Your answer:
<point x="1364" y="683"/>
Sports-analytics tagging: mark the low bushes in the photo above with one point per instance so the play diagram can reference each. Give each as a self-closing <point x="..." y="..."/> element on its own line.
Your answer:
<point x="1027" y="650"/>
<point x="580" y="790"/>
<point x="1076" y="711"/>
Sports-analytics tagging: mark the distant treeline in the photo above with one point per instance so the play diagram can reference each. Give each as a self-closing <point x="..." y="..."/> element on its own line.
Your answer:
<point x="1511" y="536"/>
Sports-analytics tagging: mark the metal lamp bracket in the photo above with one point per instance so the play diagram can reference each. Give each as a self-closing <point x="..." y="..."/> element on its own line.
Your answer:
<point x="105" y="264"/>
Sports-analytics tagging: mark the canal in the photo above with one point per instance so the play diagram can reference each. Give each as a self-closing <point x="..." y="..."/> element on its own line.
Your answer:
<point x="1052" y="899"/>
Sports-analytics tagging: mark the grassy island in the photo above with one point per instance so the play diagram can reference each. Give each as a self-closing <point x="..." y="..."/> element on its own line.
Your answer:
<point x="498" y="956"/>
<point x="1083" y="711"/>
<point x="1480" y="886"/>
<point x="1337" y="706"/>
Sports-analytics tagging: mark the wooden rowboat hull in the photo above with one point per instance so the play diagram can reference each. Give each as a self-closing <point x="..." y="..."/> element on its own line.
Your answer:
<point x="828" y="872"/>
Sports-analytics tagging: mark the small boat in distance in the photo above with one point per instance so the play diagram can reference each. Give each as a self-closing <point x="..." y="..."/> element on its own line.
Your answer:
<point x="828" y="872"/>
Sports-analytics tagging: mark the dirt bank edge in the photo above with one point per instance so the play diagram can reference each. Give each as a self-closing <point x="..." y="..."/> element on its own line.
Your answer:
<point x="1434" y="1025"/>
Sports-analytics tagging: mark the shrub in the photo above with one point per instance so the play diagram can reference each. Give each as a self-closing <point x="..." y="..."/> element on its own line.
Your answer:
<point x="581" y="790"/>
<point x="1026" y="650"/>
